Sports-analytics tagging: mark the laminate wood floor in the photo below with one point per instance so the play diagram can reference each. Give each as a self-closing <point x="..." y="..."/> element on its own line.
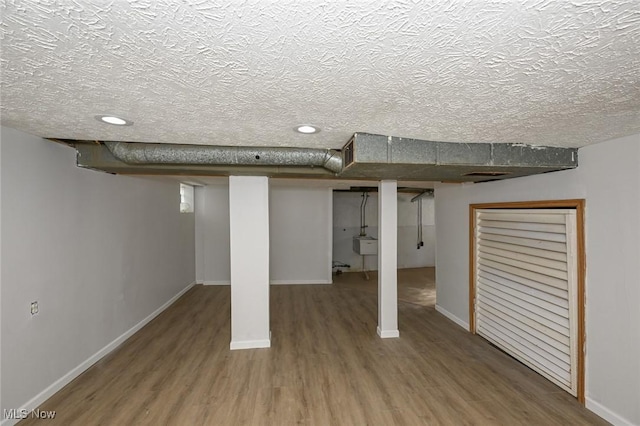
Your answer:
<point x="415" y="285"/>
<point x="326" y="366"/>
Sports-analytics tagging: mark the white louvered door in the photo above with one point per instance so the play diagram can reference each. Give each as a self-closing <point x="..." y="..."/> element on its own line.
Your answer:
<point x="525" y="281"/>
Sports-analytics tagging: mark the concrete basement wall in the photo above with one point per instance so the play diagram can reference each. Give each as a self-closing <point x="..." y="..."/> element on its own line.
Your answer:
<point x="608" y="177"/>
<point x="101" y="254"/>
<point x="300" y="234"/>
<point x="346" y="225"/>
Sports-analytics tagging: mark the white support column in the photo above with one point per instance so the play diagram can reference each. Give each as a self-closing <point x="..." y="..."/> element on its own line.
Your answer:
<point x="388" y="259"/>
<point x="249" y="236"/>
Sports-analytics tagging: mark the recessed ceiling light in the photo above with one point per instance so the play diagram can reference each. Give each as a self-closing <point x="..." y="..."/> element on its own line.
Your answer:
<point x="111" y="119"/>
<point x="307" y="129"/>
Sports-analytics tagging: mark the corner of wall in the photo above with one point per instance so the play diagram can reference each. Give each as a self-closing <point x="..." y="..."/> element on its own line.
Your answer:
<point x="452" y="317"/>
<point x="606" y="413"/>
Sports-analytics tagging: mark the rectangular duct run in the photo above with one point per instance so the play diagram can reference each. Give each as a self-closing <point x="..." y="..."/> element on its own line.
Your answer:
<point x="365" y="156"/>
<point x="388" y="157"/>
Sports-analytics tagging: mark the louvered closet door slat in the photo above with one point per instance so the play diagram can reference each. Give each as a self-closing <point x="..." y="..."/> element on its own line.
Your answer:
<point x="545" y="254"/>
<point x="549" y="309"/>
<point x="544" y="270"/>
<point x="525" y="226"/>
<point x="554" y="282"/>
<point x="550" y="329"/>
<point x="552" y="350"/>
<point x="517" y="288"/>
<point x="497" y="275"/>
<point x="525" y="288"/>
<point x="556" y="324"/>
<point x="543" y="262"/>
<point x="556" y="354"/>
<point x="532" y="235"/>
<point x="524" y="355"/>
<point x="532" y="217"/>
<point x="527" y="242"/>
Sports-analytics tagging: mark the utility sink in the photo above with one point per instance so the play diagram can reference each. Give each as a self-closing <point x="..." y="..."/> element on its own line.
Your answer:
<point x="364" y="245"/>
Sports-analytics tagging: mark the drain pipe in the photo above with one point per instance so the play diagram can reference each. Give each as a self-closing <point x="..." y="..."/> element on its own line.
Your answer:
<point x="418" y="198"/>
<point x="363" y="227"/>
<point x="363" y="214"/>
<point x="153" y="153"/>
<point x="420" y="242"/>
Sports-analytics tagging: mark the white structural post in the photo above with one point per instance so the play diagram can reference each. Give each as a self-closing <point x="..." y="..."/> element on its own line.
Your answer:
<point x="249" y="236"/>
<point x="388" y="259"/>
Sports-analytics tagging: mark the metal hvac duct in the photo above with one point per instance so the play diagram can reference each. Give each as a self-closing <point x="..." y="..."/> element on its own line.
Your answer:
<point x="149" y="153"/>
<point x="365" y="156"/>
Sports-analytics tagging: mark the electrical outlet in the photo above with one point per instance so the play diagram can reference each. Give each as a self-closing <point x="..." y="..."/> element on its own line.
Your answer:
<point x="34" y="307"/>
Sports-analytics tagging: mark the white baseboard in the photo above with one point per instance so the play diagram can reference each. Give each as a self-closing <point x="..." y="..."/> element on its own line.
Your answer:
<point x="452" y="317"/>
<point x="274" y="282"/>
<point x="37" y="400"/>
<point x="606" y="414"/>
<point x="250" y="344"/>
<point x="291" y="282"/>
<point x="216" y="283"/>
<point x="387" y="334"/>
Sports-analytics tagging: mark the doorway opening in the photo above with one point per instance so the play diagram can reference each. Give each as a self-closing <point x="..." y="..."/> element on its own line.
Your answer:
<point x="355" y="218"/>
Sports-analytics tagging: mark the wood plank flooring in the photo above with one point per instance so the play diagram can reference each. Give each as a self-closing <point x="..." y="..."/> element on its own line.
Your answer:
<point x="326" y="366"/>
<point x="415" y="285"/>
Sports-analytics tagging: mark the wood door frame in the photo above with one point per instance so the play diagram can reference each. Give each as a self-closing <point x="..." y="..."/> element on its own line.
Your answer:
<point x="579" y="206"/>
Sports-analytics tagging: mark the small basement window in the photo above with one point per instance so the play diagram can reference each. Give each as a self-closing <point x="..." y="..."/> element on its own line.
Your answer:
<point x="186" y="198"/>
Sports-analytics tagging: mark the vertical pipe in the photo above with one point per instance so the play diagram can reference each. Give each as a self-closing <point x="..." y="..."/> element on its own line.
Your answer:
<point x="363" y="214"/>
<point x="420" y="242"/>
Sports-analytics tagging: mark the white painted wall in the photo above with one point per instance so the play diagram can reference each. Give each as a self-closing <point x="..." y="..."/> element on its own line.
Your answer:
<point x="100" y="253"/>
<point x="608" y="177"/>
<point x="300" y="228"/>
<point x="408" y="255"/>
<point x="199" y="199"/>
<point x="300" y="221"/>
<point x="249" y="235"/>
<point x="212" y="233"/>
<point x="346" y="225"/>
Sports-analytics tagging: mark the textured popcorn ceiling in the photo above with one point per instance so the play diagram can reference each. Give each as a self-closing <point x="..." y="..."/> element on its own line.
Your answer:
<point x="564" y="73"/>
